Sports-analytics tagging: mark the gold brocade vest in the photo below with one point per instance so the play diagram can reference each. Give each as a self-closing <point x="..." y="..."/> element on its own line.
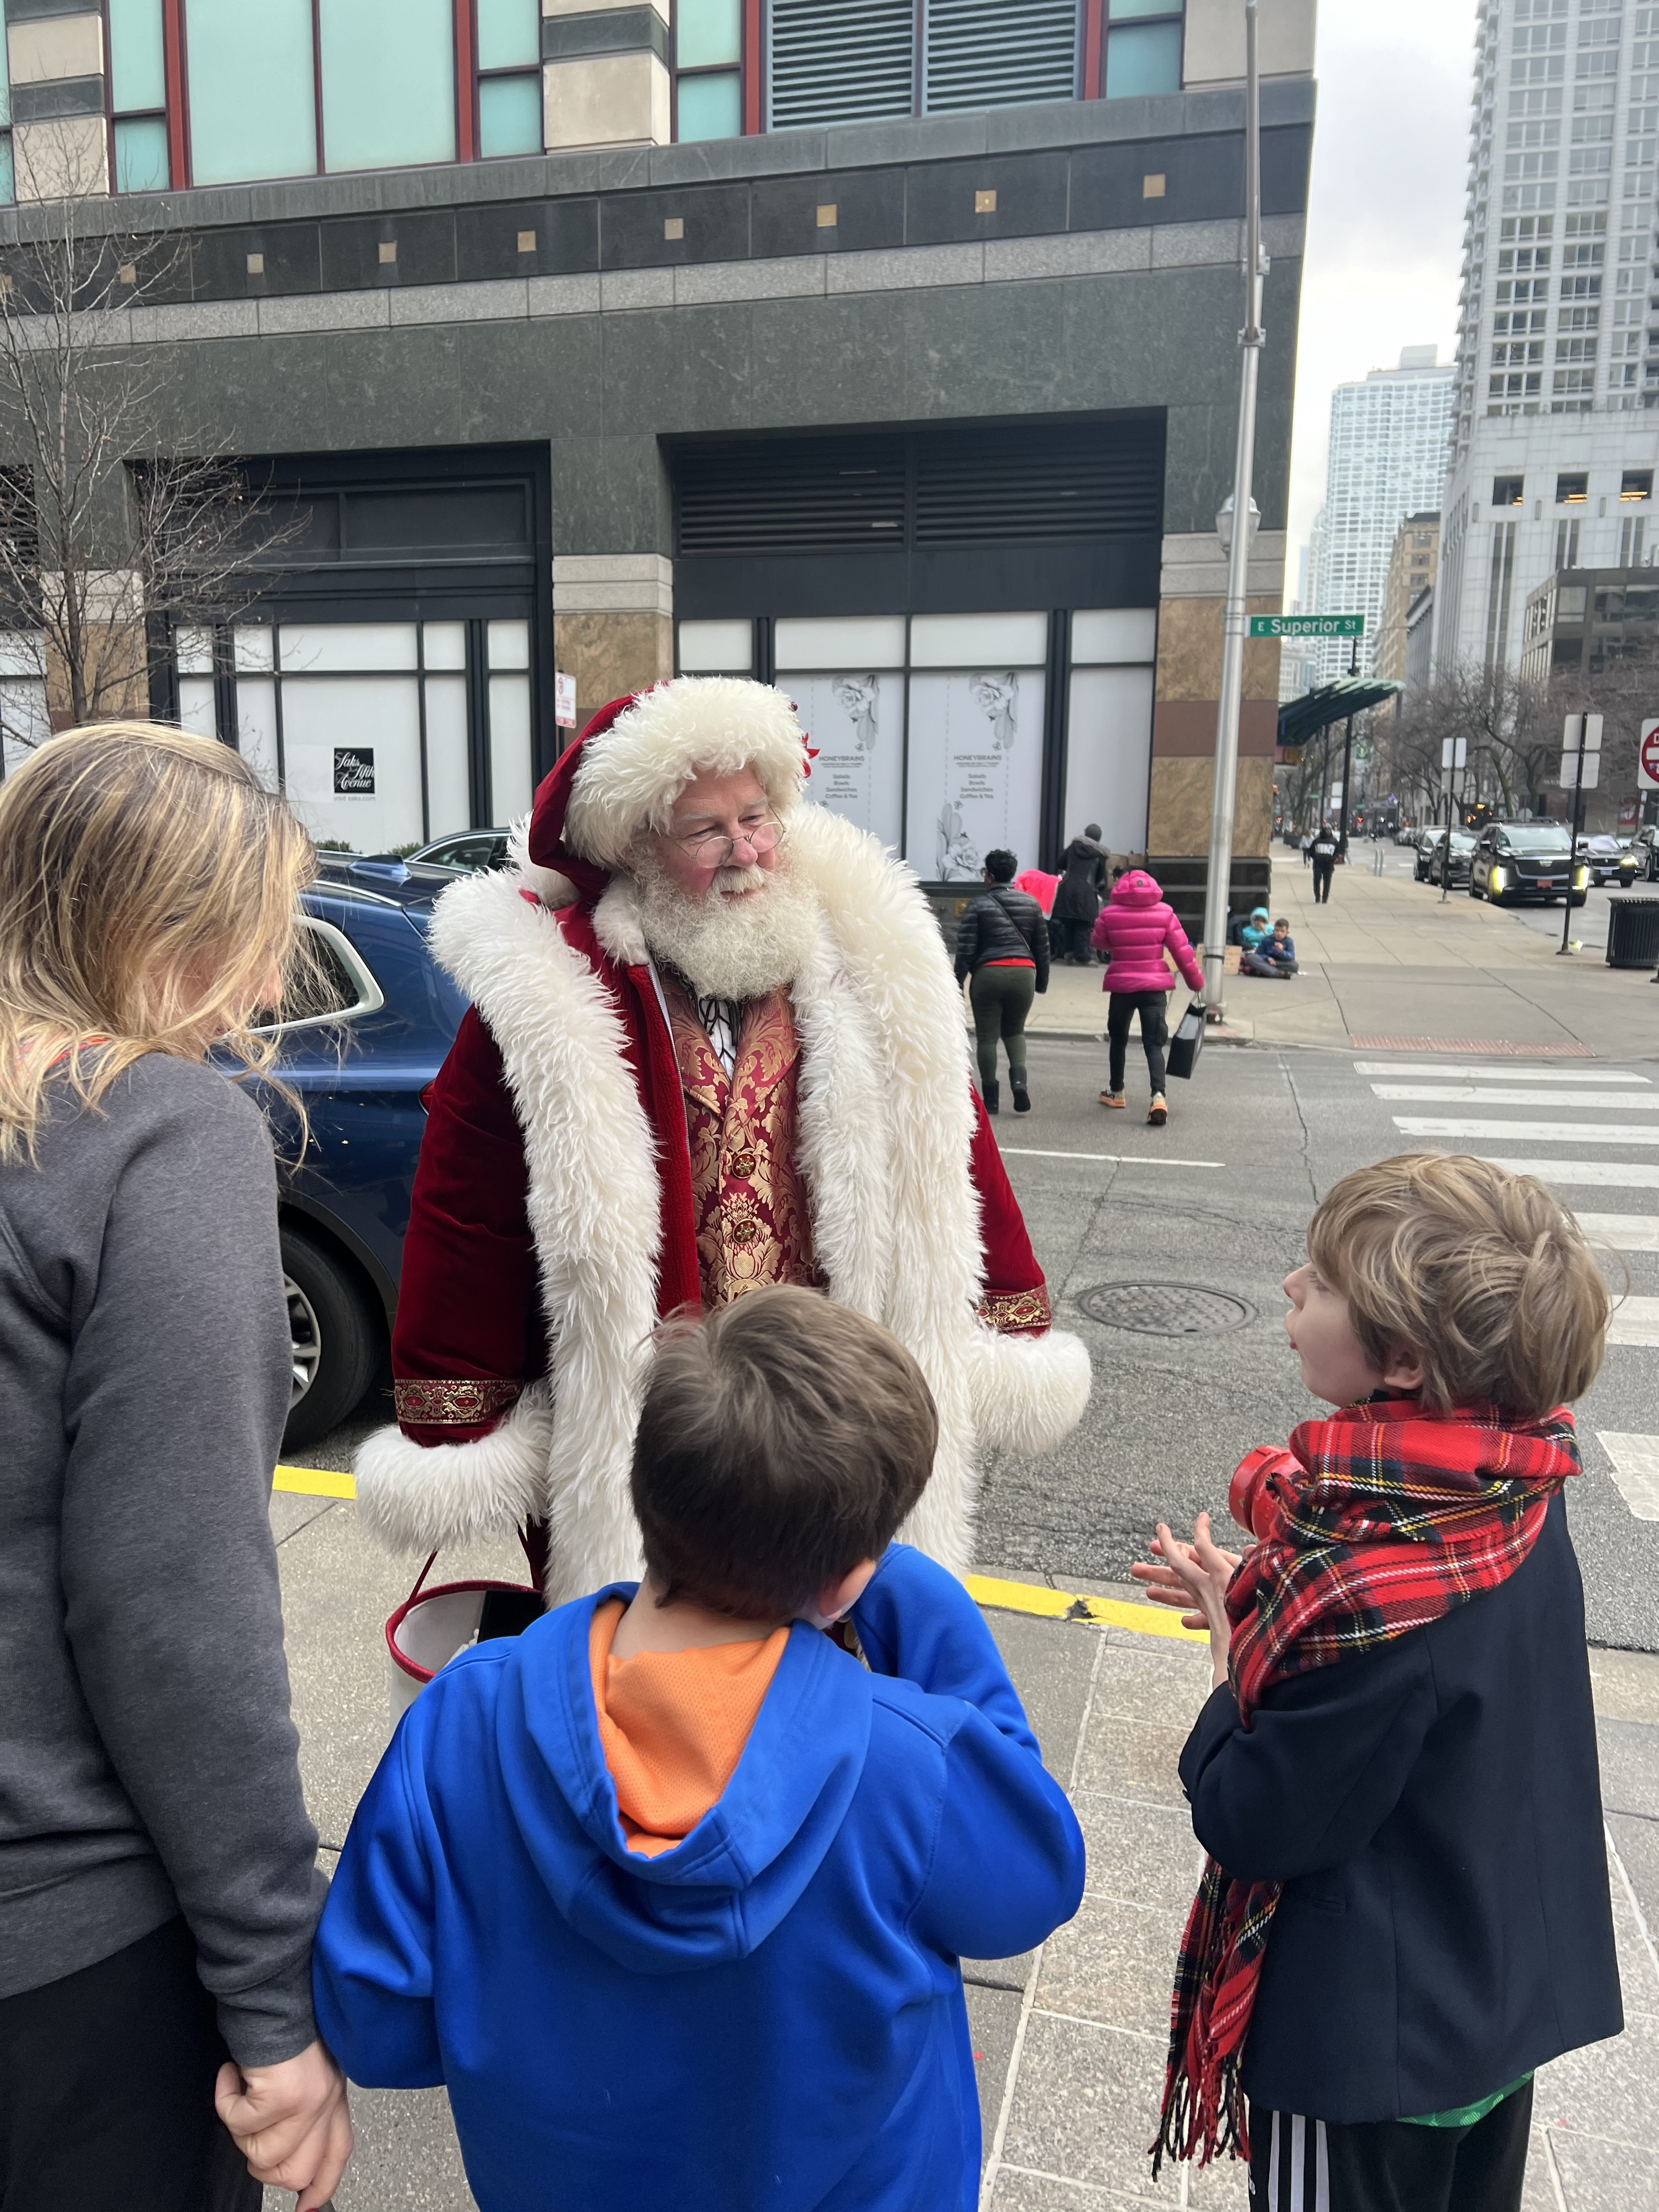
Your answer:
<point x="754" y="1226"/>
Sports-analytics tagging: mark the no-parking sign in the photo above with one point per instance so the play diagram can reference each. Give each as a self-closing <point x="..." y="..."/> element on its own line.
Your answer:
<point x="1647" y="756"/>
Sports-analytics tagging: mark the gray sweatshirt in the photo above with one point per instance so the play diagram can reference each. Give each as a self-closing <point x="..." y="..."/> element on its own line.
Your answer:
<point x="148" y="1764"/>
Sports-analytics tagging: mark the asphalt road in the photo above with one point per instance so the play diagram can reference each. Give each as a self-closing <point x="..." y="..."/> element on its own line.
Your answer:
<point x="1219" y="1200"/>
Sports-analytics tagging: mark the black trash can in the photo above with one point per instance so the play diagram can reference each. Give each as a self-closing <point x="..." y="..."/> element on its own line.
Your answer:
<point x="1633" y="932"/>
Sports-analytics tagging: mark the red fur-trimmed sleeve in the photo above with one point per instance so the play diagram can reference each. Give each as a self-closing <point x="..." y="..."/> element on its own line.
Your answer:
<point x="1016" y="1297"/>
<point x="469" y="1333"/>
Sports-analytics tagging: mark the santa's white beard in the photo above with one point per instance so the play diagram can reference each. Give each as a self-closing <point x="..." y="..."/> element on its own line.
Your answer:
<point x="730" y="947"/>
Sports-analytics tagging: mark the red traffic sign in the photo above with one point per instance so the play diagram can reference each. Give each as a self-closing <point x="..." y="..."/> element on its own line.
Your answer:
<point x="1647" y="756"/>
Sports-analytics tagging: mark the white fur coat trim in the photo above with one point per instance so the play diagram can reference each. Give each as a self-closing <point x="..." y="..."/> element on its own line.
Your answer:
<point x="886" y="1126"/>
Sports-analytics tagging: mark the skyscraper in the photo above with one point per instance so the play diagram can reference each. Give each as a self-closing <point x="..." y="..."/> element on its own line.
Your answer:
<point x="1552" y="448"/>
<point x="1385" y="461"/>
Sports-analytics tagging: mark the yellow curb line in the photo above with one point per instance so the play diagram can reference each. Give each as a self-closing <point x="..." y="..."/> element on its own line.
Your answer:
<point x="984" y="1589"/>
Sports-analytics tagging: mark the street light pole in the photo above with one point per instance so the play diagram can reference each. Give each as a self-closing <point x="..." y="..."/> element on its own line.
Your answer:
<point x="1347" y="750"/>
<point x="1235" y="614"/>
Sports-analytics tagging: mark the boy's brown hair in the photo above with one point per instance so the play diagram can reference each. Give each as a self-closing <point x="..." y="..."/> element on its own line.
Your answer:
<point x="1484" y="1276"/>
<point x="782" y="1440"/>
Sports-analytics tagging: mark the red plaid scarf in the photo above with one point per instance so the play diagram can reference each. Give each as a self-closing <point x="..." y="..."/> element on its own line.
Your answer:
<point x="1386" y="1516"/>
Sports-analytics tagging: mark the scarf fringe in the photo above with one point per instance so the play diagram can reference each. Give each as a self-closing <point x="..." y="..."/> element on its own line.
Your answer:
<point x="1199" y="2127"/>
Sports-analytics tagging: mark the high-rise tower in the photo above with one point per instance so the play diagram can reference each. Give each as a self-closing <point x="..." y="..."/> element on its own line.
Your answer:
<point x="1552" y="447"/>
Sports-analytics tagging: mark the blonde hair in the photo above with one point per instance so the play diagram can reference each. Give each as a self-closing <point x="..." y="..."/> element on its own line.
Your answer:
<point x="148" y="887"/>
<point x="1484" y="1276"/>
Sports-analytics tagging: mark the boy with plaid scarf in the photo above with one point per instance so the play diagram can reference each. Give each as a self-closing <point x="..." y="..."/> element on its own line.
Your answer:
<point x="1405" y="1908"/>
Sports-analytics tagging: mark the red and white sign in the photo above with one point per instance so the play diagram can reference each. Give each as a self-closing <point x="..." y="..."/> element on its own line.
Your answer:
<point x="1630" y="813"/>
<point x="565" y="701"/>
<point x="1647" y="756"/>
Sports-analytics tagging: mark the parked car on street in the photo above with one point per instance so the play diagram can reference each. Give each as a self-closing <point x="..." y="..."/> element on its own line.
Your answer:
<point x="1602" y="855"/>
<point x="1407" y="834"/>
<point x="1432" y="864"/>
<point x="470" y="850"/>
<point x="1514" y="862"/>
<point x="1645" y="846"/>
<point x="360" y="1048"/>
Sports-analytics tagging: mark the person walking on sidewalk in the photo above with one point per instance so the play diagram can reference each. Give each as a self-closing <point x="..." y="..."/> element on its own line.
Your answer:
<point x="1323" y="854"/>
<point x="158" y="1883"/>
<point x="1077" y="899"/>
<point x="1405" y="1909"/>
<point x="1135" y="928"/>
<point x="1002" y="953"/>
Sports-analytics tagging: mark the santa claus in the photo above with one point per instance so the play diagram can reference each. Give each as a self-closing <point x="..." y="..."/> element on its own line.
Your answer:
<point x="715" y="1043"/>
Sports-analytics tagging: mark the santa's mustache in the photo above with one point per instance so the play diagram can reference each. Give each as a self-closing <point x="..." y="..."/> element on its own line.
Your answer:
<point x="732" y="883"/>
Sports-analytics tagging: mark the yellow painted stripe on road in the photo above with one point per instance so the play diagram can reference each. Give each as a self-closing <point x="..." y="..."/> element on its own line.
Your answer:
<point x="1064" y="1605"/>
<point x="313" y="1482"/>
<point x="984" y="1589"/>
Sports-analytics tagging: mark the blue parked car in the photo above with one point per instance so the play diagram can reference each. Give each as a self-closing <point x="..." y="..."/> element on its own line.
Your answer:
<point x="361" y="1056"/>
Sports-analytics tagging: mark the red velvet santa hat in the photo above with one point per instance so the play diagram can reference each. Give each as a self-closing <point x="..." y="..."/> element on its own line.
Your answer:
<point x="635" y="757"/>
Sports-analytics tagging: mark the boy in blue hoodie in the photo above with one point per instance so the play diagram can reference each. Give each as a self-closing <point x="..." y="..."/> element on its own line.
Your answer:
<point x="670" y="1891"/>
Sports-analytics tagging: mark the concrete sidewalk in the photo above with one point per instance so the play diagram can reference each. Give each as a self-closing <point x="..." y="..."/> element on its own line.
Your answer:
<point x="1385" y="958"/>
<point x="1069" y="2042"/>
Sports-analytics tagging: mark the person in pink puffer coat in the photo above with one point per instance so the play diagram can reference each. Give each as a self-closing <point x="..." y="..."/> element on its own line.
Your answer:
<point x="1136" y="926"/>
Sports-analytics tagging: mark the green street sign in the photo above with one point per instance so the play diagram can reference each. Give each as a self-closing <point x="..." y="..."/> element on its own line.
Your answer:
<point x="1307" y="625"/>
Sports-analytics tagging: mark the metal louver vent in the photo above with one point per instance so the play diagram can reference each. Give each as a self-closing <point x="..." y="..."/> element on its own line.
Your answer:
<point x="840" y="61"/>
<point x="1086" y="483"/>
<point x="805" y="496"/>
<point x="975" y="55"/>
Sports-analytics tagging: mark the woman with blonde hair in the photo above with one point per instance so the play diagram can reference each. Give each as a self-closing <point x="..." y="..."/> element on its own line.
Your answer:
<point x="158" y="1878"/>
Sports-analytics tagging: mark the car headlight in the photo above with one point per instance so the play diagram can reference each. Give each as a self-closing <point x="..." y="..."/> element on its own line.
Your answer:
<point x="1580" y="876"/>
<point x="1505" y="873"/>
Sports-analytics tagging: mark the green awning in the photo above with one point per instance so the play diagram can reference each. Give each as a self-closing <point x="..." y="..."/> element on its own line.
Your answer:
<point x="1301" y="719"/>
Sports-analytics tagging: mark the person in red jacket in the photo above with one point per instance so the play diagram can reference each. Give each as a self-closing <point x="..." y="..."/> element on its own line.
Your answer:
<point x="1136" y="927"/>
<point x="714" y="1044"/>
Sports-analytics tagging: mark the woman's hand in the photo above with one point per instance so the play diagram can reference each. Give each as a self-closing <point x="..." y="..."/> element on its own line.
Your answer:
<point x="290" y="2122"/>
<point x="1194" y="1575"/>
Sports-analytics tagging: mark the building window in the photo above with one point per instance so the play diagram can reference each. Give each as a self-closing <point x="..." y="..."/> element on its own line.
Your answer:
<point x="509" y="66"/>
<point x="708" y="68"/>
<point x="1142" y="56"/>
<point x="136" y="92"/>
<point x="1635" y="483"/>
<point x="1631" y="533"/>
<point x="1571" y="489"/>
<point x="341" y="85"/>
<point x="1566" y="545"/>
<point x="1508" y="491"/>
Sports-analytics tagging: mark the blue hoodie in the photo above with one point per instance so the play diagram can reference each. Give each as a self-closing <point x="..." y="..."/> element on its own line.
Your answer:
<point x="769" y="2014"/>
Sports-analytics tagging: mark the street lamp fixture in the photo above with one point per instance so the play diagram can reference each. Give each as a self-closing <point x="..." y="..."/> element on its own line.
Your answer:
<point x="1224" y="526"/>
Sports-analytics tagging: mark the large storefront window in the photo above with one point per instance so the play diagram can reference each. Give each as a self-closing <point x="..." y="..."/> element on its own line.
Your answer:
<point x="935" y="731"/>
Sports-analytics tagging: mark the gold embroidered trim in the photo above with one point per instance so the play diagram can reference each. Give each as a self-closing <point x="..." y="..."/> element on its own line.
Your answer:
<point x="424" y="1404"/>
<point x="1011" y="1310"/>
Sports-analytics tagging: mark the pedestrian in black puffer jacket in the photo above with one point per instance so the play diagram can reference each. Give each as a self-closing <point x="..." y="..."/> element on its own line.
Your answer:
<point x="1077" y="899"/>
<point x="1002" y="952"/>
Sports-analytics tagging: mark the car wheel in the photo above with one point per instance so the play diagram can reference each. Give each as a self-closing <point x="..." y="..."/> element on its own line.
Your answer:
<point x="335" y="1336"/>
<point x="1473" y="889"/>
<point x="1578" y="898"/>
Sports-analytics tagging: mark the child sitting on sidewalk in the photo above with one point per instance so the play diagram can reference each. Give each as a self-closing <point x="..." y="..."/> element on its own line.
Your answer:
<point x="1405" y="1907"/>
<point x="670" y="1891"/>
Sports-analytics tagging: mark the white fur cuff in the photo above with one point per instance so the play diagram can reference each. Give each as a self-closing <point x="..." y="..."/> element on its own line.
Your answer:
<point x="416" y="1498"/>
<point x="1029" y="1392"/>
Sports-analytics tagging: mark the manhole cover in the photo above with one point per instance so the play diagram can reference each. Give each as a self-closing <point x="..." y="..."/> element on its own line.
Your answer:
<point x="1165" y="1309"/>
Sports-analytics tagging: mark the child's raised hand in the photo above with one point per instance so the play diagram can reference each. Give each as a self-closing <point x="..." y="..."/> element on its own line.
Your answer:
<point x="1194" y="1575"/>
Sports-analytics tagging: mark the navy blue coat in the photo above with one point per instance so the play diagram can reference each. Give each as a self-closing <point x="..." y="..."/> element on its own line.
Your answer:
<point x="1434" y="1810"/>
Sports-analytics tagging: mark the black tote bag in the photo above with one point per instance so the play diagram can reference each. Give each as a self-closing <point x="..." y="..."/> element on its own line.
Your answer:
<point x="1188" y="1042"/>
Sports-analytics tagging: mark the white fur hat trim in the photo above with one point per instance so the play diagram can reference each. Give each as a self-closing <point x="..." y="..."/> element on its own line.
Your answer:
<point x="632" y="772"/>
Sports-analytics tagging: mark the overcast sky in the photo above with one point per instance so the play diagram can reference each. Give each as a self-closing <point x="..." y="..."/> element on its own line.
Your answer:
<point x="1385" y="222"/>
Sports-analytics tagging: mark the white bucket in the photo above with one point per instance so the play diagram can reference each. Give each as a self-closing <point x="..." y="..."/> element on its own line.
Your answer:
<point x="428" y="1628"/>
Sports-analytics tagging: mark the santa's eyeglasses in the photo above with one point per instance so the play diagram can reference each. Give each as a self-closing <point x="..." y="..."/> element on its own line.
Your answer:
<point x="712" y="848"/>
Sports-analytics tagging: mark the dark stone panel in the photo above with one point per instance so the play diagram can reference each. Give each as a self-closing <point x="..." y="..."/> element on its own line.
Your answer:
<point x="715" y="217"/>
<point x="991" y="349"/>
<point x="1285" y="155"/>
<point x="292" y="259"/>
<point x="1103" y="572"/>
<point x="608" y="31"/>
<point x="712" y="160"/>
<point x="392" y="387"/>
<point x="425" y="243"/>
<point x="567" y="238"/>
<point x="869" y="206"/>
<point x="797" y="584"/>
<point x="677" y="370"/>
<point x="530" y="380"/>
<point x="259" y="395"/>
<point x="59" y="96"/>
<point x="1198" y="465"/>
<point x="1031" y="189"/>
<point x="610" y="495"/>
<point x="1203" y="181"/>
<point x="1149" y="338"/>
<point x="839" y="360"/>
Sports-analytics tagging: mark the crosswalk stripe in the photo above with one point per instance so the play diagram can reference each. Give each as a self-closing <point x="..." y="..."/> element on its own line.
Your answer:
<point x="1497" y="1071"/>
<point x="1622" y="1175"/>
<point x="1531" y="1133"/>
<point x="1498" y="1095"/>
<point x="1635" y="1469"/>
<point x="1636" y="1322"/>
<point x="1628" y="1232"/>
